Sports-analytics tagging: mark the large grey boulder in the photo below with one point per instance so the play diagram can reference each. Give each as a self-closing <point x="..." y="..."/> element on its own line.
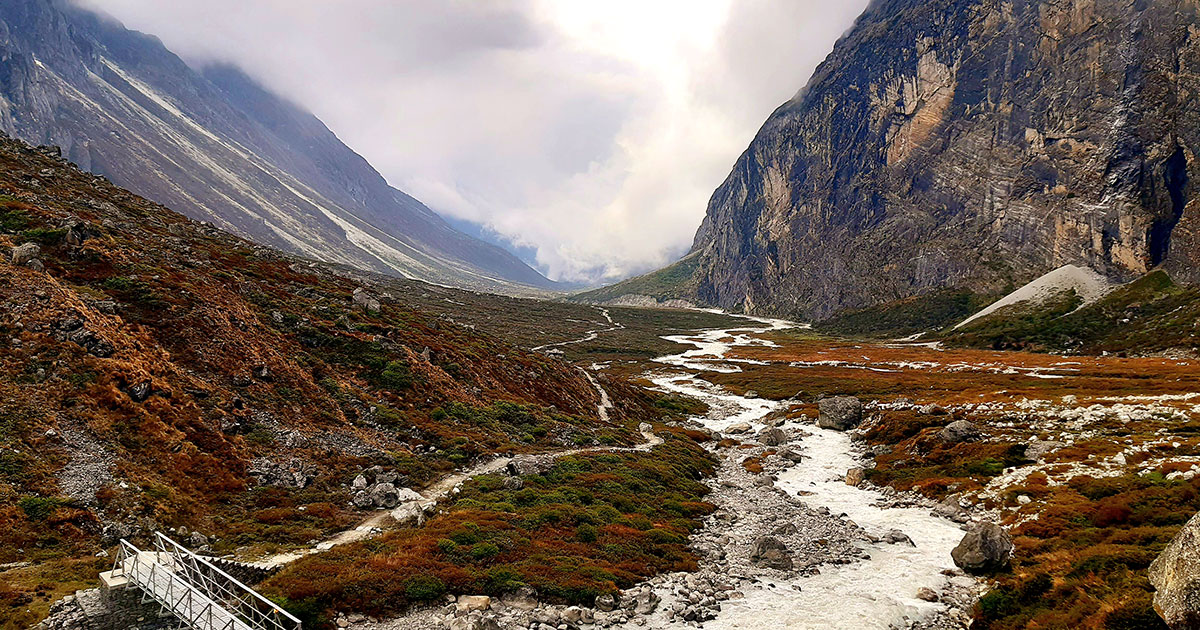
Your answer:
<point x="985" y="549"/>
<point x="840" y="413"/>
<point x="770" y="552"/>
<point x="959" y="431"/>
<point x="1175" y="575"/>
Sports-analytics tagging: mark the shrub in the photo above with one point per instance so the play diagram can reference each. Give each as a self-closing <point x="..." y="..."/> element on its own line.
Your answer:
<point x="586" y="533"/>
<point x="39" y="508"/>
<point x="423" y="588"/>
<point x="396" y="376"/>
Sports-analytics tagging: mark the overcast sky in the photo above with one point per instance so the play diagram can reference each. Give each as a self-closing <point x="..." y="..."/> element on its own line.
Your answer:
<point x="593" y="131"/>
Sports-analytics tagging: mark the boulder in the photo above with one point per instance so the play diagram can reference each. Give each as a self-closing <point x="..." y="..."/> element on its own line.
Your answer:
<point x="512" y="484"/>
<point x="790" y="454"/>
<point x="840" y="413"/>
<point x="410" y="514"/>
<point x="384" y="495"/>
<point x="985" y="549"/>
<point x="606" y="602"/>
<point x="468" y="603"/>
<point x="927" y="594"/>
<point x="959" y="431"/>
<point x="1175" y="575"/>
<point x="855" y="476"/>
<point x="23" y="254"/>
<point x="530" y="465"/>
<point x="896" y="537"/>
<point x="524" y="598"/>
<point x="739" y="428"/>
<point x="770" y="552"/>
<point x="1039" y="449"/>
<point x="772" y="437"/>
<point x="646" y="601"/>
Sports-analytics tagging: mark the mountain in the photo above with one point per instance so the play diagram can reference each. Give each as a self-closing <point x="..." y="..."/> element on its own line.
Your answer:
<point x="216" y="146"/>
<point x="970" y="144"/>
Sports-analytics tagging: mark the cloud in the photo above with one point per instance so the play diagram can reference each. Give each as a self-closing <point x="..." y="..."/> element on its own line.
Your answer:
<point x="593" y="132"/>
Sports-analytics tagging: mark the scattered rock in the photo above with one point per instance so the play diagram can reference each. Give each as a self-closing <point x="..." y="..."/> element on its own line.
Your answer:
<point x="524" y="598"/>
<point x="985" y="549"/>
<point x="1175" y="575"/>
<point x="896" y="537"/>
<point x="840" y="413"/>
<point x="770" y="552"/>
<point x="739" y="428"/>
<point x="365" y="301"/>
<point x="927" y="594"/>
<point x="139" y="392"/>
<point x="772" y="437"/>
<point x="855" y="476"/>
<point x="1039" y="449"/>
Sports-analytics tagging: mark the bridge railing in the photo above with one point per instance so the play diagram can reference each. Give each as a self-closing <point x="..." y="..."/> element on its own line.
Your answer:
<point x="194" y="586"/>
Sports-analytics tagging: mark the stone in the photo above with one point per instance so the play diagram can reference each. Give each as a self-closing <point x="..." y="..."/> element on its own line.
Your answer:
<point x="1175" y="575"/>
<point x="524" y="598"/>
<point x="791" y="455"/>
<point x="359" y="483"/>
<point x="523" y="465"/>
<point x="959" y="431"/>
<point x="23" y="254"/>
<point x="1024" y="499"/>
<point x="646" y="602"/>
<point x="1039" y="449"/>
<point x="410" y="514"/>
<point x="927" y="594"/>
<point x="197" y="540"/>
<point x="365" y="301"/>
<point x="840" y="413"/>
<point x="384" y="495"/>
<point x="139" y="392"/>
<point x="770" y="552"/>
<point x="513" y="484"/>
<point x="772" y="437"/>
<point x="262" y="373"/>
<point x="855" y="476"/>
<point x="739" y="428"/>
<point x="606" y="602"/>
<point x="895" y="537"/>
<point x="750" y="393"/>
<point x="985" y="549"/>
<point x="469" y="603"/>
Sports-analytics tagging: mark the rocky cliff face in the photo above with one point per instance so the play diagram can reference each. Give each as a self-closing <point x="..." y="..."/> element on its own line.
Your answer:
<point x="969" y="143"/>
<point x="218" y="147"/>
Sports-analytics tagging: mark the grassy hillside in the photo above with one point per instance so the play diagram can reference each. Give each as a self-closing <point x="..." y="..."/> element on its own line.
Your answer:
<point x="932" y="311"/>
<point x="675" y="281"/>
<point x="1151" y="314"/>
<point x="157" y="373"/>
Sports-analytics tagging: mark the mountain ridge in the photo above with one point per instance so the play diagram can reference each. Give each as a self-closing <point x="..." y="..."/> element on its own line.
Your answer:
<point x="219" y="147"/>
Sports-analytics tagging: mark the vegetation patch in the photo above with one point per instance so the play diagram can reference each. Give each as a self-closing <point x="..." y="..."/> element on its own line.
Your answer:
<point x="590" y="525"/>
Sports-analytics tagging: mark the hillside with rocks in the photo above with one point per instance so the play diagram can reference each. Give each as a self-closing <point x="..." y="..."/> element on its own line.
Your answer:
<point x="216" y="146"/>
<point x="966" y="144"/>
<point x="158" y="373"/>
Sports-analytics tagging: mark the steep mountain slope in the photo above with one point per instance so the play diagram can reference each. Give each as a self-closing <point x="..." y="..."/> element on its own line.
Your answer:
<point x="967" y="143"/>
<point x="157" y="372"/>
<point x="218" y="147"/>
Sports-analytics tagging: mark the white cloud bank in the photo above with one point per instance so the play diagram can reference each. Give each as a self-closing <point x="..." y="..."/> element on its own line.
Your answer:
<point x="591" y="131"/>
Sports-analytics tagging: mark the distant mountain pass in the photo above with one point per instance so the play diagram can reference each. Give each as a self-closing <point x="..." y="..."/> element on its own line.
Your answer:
<point x="218" y="147"/>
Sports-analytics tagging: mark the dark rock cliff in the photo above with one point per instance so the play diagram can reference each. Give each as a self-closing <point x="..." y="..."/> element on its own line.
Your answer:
<point x="217" y="146"/>
<point x="969" y="143"/>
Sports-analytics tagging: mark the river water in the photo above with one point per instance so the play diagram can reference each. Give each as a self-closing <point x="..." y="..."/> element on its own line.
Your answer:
<point x="875" y="593"/>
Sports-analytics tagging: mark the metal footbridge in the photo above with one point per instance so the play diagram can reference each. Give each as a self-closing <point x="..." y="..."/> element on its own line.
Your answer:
<point x="192" y="589"/>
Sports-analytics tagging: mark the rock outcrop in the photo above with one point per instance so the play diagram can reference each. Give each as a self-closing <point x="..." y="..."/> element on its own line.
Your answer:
<point x="967" y="143"/>
<point x="1175" y="575"/>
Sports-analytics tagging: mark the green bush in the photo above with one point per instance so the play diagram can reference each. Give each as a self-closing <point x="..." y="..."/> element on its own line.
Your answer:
<point x="424" y="588"/>
<point x="39" y="508"/>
